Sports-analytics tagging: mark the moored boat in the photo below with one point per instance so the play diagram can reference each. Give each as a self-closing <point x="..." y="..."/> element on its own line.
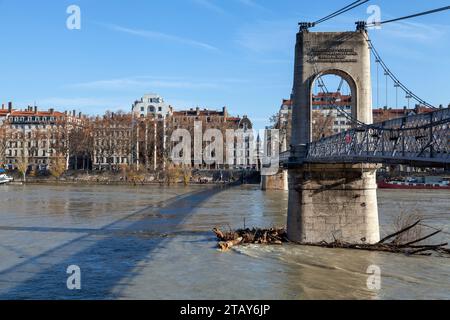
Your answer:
<point x="4" y="178"/>
<point x="415" y="183"/>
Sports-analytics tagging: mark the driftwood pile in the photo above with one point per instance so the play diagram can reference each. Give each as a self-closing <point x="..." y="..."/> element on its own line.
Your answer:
<point x="247" y="236"/>
<point x="390" y="243"/>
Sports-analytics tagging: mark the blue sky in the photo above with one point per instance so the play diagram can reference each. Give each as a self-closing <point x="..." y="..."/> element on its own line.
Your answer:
<point x="207" y="53"/>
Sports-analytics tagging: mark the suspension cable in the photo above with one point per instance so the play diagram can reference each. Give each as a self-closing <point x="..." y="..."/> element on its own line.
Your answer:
<point x="378" y="82"/>
<point x="336" y="12"/>
<point x="394" y="78"/>
<point x="372" y="126"/>
<point x="410" y="16"/>
<point x="339" y="109"/>
<point x="359" y="123"/>
<point x="330" y="113"/>
<point x="349" y="7"/>
<point x="387" y="88"/>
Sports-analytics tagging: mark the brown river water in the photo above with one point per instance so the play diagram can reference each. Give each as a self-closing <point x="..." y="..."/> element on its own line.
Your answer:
<point x="156" y="243"/>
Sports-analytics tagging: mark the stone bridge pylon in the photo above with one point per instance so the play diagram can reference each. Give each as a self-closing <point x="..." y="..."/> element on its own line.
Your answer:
<point x="338" y="201"/>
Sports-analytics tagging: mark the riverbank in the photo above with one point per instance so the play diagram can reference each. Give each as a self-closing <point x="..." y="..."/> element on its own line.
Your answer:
<point x="195" y="177"/>
<point x="108" y="183"/>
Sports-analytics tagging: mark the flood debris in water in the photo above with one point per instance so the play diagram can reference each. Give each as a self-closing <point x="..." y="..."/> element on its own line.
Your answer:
<point x="393" y="243"/>
<point x="227" y="240"/>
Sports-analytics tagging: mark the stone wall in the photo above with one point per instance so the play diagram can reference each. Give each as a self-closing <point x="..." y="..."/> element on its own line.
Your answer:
<point x="275" y="182"/>
<point x="333" y="202"/>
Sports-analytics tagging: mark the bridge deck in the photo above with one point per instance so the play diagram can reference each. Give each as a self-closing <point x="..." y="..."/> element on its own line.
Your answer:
<point x="418" y="140"/>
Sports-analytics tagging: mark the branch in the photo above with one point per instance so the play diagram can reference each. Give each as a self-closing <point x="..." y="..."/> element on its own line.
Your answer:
<point x="399" y="232"/>
<point x="421" y="239"/>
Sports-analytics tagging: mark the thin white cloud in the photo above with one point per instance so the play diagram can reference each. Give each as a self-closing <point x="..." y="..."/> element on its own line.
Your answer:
<point x="425" y="33"/>
<point x="210" y="5"/>
<point x="268" y="36"/>
<point x="253" y="4"/>
<point x="274" y="61"/>
<point x="143" y="83"/>
<point x="149" y="34"/>
<point x="86" y="105"/>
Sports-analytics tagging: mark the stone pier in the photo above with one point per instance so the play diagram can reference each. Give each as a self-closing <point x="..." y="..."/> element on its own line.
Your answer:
<point x="333" y="202"/>
<point x="278" y="181"/>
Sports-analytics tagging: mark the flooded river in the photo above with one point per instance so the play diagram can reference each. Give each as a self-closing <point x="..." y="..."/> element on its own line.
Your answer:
<point x="156" y="243"/>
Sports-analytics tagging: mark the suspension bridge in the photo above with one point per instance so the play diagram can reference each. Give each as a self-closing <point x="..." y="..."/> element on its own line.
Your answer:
<point x="332" y="181"/>
<point x="421" y="140"/>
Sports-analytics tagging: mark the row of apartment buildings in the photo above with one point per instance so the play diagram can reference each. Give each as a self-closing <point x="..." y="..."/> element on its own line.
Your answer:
<point x="34" y="136"/>
<point x="108" y="142"/>
<point x="143" y="136"/>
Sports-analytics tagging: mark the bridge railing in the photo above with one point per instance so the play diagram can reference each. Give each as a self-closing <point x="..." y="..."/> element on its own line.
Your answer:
<point x="420" y="139"/>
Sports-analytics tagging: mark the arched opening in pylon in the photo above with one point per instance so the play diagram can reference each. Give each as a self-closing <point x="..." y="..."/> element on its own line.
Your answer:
<point x="333" y="101"/>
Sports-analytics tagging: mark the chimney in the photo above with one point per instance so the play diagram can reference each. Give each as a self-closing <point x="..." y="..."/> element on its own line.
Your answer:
<point x="9" y="106"/>
<point x="225" y="113"/>
<point x="74" y="113"/>
<point x="35" y="109"/>
<point x="51" y="110"/>
<point x="80" y="115"/>
<point x="3" y="106"/>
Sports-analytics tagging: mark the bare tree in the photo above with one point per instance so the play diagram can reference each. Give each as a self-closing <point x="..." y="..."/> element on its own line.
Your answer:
<point x="322" y="126"/>
<point x="59" y="140"/>
<point x="6" y="134"/>
<point x="81" y="143"/>
<point x="22" y="166"/>
<point x="58" y="165"/>
<point x="113" y="137"/>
